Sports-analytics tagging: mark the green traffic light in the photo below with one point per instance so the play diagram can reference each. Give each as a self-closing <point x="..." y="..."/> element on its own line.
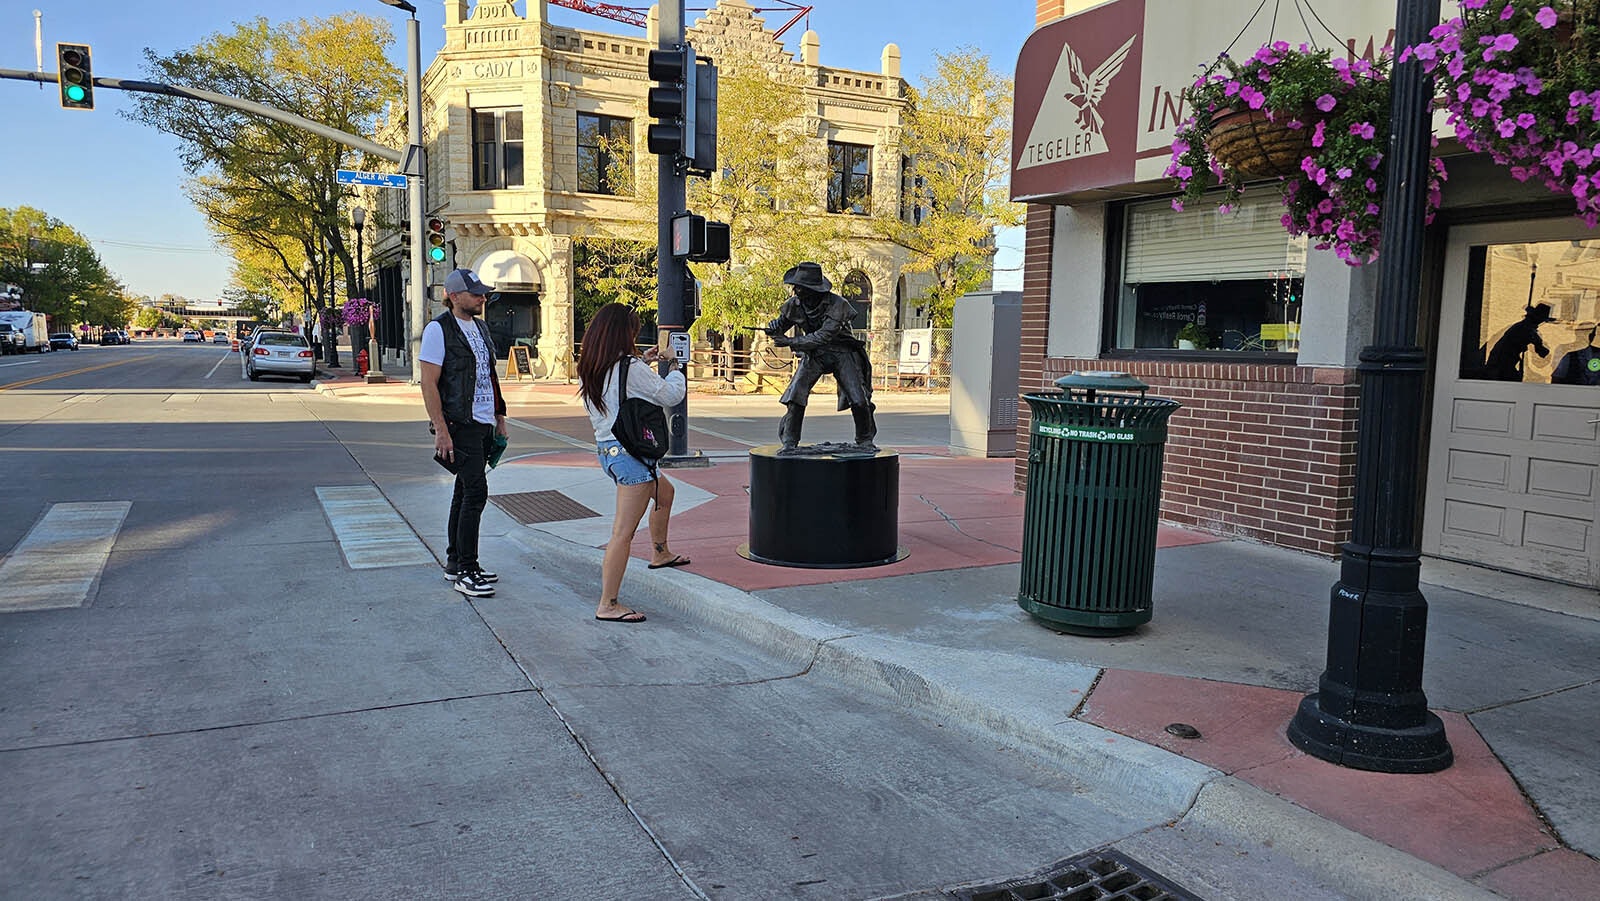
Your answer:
<point x="75" y="93"/>
<point x="436" y="254"/>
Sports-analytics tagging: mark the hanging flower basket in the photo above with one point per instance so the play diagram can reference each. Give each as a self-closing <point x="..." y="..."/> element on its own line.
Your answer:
<point x="1253" y="145"/>
<point x="1316" y="122"/>
<point x="1521" y="79"/>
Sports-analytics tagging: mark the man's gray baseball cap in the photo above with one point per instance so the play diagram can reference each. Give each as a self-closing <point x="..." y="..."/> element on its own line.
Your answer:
<point x="464" y="280"/>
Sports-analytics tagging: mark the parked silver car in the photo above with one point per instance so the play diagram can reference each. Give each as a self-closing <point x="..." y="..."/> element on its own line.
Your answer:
<point x="280" y="353"/>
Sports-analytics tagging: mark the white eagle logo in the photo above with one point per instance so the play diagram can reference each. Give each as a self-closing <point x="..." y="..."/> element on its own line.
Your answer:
<point x="1086" y="93"/>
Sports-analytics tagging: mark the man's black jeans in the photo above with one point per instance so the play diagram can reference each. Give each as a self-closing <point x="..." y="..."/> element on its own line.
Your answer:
<point x="473" y="441"/>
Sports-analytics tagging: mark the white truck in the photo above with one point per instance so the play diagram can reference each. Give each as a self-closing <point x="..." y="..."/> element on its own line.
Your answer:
<point x="24" y="332"/>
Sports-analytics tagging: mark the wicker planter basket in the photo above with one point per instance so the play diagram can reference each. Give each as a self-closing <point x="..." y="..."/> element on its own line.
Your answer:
<point x="1244" y="141"/>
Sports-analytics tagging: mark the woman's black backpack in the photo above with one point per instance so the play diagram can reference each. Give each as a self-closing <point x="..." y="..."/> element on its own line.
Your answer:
<point x="641" y="426"/>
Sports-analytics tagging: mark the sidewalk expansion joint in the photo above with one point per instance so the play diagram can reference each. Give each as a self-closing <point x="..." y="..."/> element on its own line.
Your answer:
<point x="594" y="762"/>
<point x="957" y="526"/>
<point x="268" y="722"/>
<point x="1533" y="697"/>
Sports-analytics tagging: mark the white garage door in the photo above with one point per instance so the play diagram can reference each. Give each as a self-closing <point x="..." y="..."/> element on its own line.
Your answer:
<point x="1514" y="464"/>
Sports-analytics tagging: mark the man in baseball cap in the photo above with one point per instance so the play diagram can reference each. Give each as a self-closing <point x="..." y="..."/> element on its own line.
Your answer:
<point x="464" y="281"/>
<point x="466" y="411"/>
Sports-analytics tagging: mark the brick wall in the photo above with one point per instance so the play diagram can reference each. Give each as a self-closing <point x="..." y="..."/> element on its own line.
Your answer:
<point x="1265" y="453"/>
<point x="1039" y="233"/>
<point x="1049" y="9"/>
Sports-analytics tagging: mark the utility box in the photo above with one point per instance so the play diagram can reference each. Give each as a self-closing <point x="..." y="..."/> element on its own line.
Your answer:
<point x="986" y="351"/>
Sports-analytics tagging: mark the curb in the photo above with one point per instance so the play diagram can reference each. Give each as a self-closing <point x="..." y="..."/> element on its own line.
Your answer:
<point x="1018" y="703"/>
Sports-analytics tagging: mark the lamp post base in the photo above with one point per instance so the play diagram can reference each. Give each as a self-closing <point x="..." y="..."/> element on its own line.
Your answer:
<point x="374" y="363"/>
<point x="1415" y="749"/>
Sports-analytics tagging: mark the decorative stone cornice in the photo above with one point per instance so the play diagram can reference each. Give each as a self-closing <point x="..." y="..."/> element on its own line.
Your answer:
<point x="506" y="228"/>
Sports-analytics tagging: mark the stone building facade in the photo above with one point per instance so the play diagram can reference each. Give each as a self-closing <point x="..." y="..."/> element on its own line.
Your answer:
<point x="513" y="106"/>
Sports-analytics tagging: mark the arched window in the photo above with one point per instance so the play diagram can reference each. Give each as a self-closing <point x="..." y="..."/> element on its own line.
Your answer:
<point x="857" y="288"/>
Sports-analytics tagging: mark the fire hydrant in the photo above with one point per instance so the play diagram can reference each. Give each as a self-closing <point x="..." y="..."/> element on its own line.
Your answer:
<point x="361" y="363"/>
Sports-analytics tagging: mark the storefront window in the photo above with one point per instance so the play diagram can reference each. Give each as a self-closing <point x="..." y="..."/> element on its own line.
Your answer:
<point x="1531" y="313"/>
<point x="1203" y="280"/>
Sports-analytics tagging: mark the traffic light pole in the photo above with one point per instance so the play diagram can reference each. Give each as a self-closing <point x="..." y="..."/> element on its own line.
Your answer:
<point x="418" y="289"/>
<point x="671" y="200"/>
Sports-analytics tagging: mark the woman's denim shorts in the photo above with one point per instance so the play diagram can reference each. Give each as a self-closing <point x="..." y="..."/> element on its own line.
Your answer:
<point x="624" y="468"/>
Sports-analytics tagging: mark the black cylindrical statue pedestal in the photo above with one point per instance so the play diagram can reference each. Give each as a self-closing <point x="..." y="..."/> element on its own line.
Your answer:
<point x="824" y="510"/>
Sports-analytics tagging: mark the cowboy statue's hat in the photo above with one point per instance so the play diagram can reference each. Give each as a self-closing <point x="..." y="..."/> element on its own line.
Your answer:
<point x="809" y="276"/>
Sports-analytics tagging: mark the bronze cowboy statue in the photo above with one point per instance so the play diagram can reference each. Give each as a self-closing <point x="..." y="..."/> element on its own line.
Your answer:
<point x="825" y="345"/>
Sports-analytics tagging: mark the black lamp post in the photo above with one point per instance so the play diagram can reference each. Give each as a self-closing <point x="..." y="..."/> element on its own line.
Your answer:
<point x="305" y="287"/>
<point x="1369" y="711"/>
<point x="358" y="218"/>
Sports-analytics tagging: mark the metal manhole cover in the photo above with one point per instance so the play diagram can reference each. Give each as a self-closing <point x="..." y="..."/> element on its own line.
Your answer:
<point x="531" y="507"/>
<point x="1105" y="874"/>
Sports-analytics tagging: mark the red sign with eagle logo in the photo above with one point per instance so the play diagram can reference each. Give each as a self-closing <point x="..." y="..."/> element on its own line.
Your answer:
<point x="1077" y="103"/>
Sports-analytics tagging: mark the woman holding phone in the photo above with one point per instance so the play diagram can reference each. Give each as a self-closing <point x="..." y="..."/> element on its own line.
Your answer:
<point x="608" y="345"/>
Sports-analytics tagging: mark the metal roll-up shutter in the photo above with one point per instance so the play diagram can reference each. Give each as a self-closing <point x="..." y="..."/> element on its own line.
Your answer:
<point x="1203" y="244"/>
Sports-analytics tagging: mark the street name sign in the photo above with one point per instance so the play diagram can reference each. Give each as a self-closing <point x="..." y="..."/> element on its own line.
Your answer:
<point x="375" y="179"/>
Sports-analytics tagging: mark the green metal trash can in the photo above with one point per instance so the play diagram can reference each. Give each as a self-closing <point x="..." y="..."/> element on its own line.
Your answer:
<point x="1093" y="498"/>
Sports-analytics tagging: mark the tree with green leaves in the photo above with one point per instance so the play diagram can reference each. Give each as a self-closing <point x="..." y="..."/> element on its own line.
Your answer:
<point x="765" y="191"/>
<point x="269" y="189"/>
<point x="58" y="271"/>
<point x="957" y="134"/>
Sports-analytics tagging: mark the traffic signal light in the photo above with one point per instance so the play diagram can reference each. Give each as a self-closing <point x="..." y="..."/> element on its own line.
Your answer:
<point x="77" y="81"/>
<point x="436" y="240"/>
<point x="703" y="158"/>
<point x="671" y="101"/>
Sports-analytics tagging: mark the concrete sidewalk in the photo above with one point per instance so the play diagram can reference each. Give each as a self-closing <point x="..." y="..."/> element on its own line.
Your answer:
<point x="1238" y="637"/>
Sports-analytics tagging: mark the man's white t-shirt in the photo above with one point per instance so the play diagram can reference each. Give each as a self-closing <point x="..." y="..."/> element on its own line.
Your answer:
<point x="483" y="388"/>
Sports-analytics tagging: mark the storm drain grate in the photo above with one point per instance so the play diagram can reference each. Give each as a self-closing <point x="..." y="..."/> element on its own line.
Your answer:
<point x="1104" y="874"/>
<point x="531" y="507"/>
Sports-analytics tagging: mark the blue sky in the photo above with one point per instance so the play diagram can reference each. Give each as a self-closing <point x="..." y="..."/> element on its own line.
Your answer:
<point x="120" y="183"/>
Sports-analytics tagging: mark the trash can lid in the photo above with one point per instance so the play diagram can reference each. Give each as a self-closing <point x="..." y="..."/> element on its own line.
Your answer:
<point x="1101" y="380"/>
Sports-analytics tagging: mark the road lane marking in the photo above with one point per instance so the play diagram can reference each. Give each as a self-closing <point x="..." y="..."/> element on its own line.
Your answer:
<point x="59" y="562"/>
<point x="370" y="530"/>
<point x="218" y="366"/>
<point x="61" y="375"/>
<point x="564" y="439"/>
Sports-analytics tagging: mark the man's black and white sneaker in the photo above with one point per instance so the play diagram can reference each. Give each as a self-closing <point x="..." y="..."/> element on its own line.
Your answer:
<point x="472" y="584"/>
<point x="451" y="574"/>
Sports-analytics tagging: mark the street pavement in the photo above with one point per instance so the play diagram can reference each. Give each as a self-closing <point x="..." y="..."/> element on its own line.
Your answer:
<point x="270" y="692"/>
<point x="1238" y="637"/>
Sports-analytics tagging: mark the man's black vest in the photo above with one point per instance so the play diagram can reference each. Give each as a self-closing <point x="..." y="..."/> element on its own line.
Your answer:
<point x="458" y="375"/>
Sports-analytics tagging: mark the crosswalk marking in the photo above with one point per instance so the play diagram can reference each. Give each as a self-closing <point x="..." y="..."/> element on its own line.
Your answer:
<point x="371" y="532"/>
<point x="58" y="563"/>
